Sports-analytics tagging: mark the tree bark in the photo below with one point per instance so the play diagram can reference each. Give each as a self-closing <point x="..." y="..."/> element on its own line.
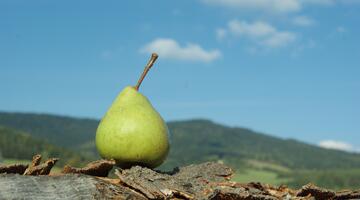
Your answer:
<point x="203" y="181"/>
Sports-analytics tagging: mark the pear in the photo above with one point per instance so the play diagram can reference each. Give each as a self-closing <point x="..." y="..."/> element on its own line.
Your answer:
<point x="132" y="132"/>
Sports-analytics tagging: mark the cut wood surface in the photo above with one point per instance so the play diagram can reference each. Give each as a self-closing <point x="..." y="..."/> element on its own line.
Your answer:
<point x="202" y="181"/>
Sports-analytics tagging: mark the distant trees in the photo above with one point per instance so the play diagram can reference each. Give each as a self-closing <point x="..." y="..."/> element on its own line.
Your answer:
<point x="58" y="130"/>
<point x="20" y="145"/>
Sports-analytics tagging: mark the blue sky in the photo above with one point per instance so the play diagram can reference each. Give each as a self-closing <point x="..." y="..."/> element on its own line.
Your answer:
<point x="289" y="68"/>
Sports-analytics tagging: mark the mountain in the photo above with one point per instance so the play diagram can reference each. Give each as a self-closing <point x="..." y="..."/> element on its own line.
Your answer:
<point x="251" y="153"/>
<point x="204" y="140"/>
<point x="59" y="130"/>
<point x="199" y="140"/>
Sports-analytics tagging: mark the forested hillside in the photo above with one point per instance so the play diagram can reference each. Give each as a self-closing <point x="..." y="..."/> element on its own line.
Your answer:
<point x="202" y="140"/>
<point x="59" y="130"/>
<point x="21" y="145"/>
<point x="255" y="155"/>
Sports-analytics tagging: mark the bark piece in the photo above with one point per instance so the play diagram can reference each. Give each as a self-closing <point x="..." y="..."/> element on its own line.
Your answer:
<point x="316" y="192"/>
<point x="41" y="169"/>
<point x="347" y="194"/>
<point x="310" y="190"/>
<point x="233" y="190"/>
<point x="35" y="162"/>
<point x="13" y="169"/>
<point x="203" y="181"/>
<point x="99" y="168"/>
<point x="191" y="182"/>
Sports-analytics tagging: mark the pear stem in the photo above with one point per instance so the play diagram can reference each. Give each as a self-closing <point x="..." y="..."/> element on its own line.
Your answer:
<point x="152" y="60"/>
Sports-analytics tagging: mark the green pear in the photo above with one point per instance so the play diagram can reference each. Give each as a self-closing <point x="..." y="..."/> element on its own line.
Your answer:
<point x="132" y="132"/>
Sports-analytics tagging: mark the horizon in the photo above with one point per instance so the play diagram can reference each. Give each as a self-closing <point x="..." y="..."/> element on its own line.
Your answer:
<point x="289" y="70"/>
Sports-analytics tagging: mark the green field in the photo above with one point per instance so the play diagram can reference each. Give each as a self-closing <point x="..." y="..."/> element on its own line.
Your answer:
<point x="14" y="161"/>
<point x="256" y="175"/>
<point x="260" y="171"/>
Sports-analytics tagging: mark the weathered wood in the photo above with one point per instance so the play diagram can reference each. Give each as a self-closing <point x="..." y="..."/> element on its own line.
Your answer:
<point x="40" y="169"/>
<point x="35" y="160"/>
<point x="71" y="186"/>
<point x="13" y="169"/>
<point x="203" y="181"/>
<point x="191" y="182"/>
<point x="320" y="193"/>
<point x="35" y="168"/>
<point x="99" y="168"/>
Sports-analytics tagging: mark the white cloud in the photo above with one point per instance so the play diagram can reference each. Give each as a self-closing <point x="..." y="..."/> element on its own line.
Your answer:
<point x="276" y="6"/>
<point x="169" y="48"/>
<point x="341" y="29"/>
<point x="260" y="32"/>
<point x="350" y="2"/>
<point x="256" y="29"/>
<point x="281" y="6"/>
<point x="220" y="33"/>
<point x="279" y="39"/>
<point x="303" y="21"/>
<point x="338" y="145"/>
<point x="318" y="2"/>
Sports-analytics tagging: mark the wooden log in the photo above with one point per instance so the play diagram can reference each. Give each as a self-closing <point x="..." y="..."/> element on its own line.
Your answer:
<point x="203" y="181"/>
<point x="71" y="186"/>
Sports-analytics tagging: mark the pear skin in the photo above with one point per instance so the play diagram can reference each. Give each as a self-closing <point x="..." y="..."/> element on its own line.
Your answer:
<point x="132" y="132"/>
